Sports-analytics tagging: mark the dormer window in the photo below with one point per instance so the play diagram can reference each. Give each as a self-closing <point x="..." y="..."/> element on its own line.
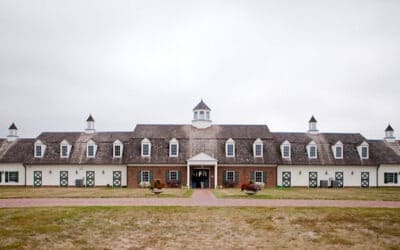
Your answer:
<point x="65" y="149"/>
<point x="285" y="150"/>
<point x="312" y="150"/>
<point x="91" y="149"/>
<point x="230" y="148"/>
<point x="258" y="148"/>
<point x="118" y="148"/>
<point x="173" y="148"/>
<point x="39" y="149"/>
<point x="146" y="148"/>
<point x="363" y="150"/>
<point x="337" y="150"/>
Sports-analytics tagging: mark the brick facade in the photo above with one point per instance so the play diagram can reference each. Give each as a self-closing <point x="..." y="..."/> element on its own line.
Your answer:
<point x="245" y="174"/>
<point x="158" y="172"/>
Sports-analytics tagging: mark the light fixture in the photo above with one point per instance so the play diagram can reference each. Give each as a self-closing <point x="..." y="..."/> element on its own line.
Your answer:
<point x="76" y="172"/>
<point x="352" y="172"/>
<point x="103" y="172"/>
<point x="326" y="172"/>
<point x="49" y="171"/>
<point x="300" y="172"/>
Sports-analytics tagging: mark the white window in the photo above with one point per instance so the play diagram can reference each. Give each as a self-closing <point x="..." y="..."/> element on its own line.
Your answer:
<point x="118" y="149"/>
<point x="173" y="175"/>
<point x="39" y="149"/>
<point x="259" y="176"/>
<point x="363" y="150"/>
<point x="146" y="148"/>
<point x="201" y="115"/>
<point x="337" y="150"/>
<point x="207" y="115"/>
<point x="258" y="148"/>
<point x="285" y="150"/>
<point x="9" y="176"/>
<point x="196" y="115"/>
<point x="230" y="175"/>
<point x="145" y="176"/>
<point x="65" y="149"/>
<point x="91" y="149"/>
<point x="312" y="150"/>
<point x="230" y="148"/>
<point x="173" y="148"/>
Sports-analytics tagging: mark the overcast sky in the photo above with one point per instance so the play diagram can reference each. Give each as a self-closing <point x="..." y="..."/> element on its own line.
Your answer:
<point x="253" y="62"/>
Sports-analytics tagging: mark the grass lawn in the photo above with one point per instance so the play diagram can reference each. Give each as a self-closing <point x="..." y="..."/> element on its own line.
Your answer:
<point x="43" y="192"/>
<point x="386" y="194"/>
<point x="199" y="227"/>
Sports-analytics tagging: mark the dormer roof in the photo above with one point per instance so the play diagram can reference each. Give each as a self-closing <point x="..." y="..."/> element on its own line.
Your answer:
<point x="201" y="105"/>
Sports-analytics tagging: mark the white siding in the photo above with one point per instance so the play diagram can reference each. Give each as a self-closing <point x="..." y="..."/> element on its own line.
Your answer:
<point x="11" y="167"/>
<point x="76" y="172"/>
<point x="349" y="179"/>
<point x="388" y="169"/>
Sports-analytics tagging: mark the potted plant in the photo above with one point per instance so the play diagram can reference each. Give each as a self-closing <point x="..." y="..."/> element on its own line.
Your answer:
<point x="250" y="188"/>
<point x="157" y="187"/>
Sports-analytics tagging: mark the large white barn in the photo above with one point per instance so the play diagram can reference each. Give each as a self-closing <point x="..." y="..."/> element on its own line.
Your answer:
<point x="200" y="154"/>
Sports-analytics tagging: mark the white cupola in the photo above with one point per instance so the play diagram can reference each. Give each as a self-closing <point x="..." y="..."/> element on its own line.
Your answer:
<point x="90" y="125"/>
<point x="13" y="133"/>
<point x="389" y="134"/>
<point x="201" y="116"/>
<point x="312" y="126"/>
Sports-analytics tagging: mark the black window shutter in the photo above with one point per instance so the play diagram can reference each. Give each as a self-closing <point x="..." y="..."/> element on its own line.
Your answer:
<point x="265" y="177"/>
<point x="395" y="177"/>
<point x="236" y="177"/>
<point x="139" y="177"/>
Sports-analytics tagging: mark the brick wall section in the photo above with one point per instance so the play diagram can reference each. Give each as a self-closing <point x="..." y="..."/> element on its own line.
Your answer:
<point x="246" y="172"/>
<point x="158" y="173"/>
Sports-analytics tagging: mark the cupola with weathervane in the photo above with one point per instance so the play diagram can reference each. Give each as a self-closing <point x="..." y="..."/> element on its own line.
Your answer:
<point x="201" y="116"/>
<point x="13" y="133"/>
<point x="312" y="126"/>
<point x="389" y="134"/>
<point x="90" y="125"/>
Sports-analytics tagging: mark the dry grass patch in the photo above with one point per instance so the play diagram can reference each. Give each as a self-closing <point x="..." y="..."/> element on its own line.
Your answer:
<point x="198" y="228"/>
<point x="385" y="194"/>
<point x="98" y="192"/>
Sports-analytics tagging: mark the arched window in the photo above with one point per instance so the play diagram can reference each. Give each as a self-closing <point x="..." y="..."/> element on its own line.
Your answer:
<point x="146" y="148"/>
<point x="258" y="148"/>
<point x="230" y="148"/>
<point x="173" y="148"/>
<point x="118" y="149"/>
<point x="65" y="149"/>
<point x="91" y="149"/>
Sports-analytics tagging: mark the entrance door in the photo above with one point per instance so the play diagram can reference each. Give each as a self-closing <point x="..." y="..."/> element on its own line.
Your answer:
<point x="89" y="178"/>
<point x="365" y="179"/>
<point x="116" y="178"/>
<point x="201" y="178"/>
<point x="63" y="178"/>
<point x="37" y="178"/>
<point x="313" y="179"/>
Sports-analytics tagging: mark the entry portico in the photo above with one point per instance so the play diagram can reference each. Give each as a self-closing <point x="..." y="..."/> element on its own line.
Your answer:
<point x="202" y="160"/>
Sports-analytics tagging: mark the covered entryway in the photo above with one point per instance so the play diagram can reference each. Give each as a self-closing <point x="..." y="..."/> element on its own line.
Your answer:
<point x="202" y="171"/>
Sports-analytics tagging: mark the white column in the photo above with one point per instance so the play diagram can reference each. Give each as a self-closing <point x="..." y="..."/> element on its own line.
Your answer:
<point x="215" y="175"/>
<point x="188" y="175"/>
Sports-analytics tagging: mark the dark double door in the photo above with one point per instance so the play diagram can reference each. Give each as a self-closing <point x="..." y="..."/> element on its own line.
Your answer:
<point x="201" y="178"/>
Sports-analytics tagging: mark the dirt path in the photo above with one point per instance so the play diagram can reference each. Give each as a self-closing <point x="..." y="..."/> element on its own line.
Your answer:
<point x="199" y="198"/>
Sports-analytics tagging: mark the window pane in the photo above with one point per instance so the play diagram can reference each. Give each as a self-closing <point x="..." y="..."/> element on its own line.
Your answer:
<point x="117" y="150"/>
<point x="173" y="175"/>
<point x="286" y="151"/>
<point x="230" y="149"/>
<point x="145" y="176"/>
<point x="13" y="176"/>
<point x="258" y="149"/>
<point x="230" y="175"/>
<point x="338" y="152"/>
<point x="364" y="152"/>
<point x="38" y="150"/>
<point x="145" y="149"/>
<point x="313" y="152"/>
<point x="64" y="150"/>
<point x="174" y="149"/>
<point x="259" y="176"/>
<point x="90" y="150"/>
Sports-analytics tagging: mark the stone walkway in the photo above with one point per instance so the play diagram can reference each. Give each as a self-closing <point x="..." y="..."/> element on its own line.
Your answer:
<point x="202" y="197"/>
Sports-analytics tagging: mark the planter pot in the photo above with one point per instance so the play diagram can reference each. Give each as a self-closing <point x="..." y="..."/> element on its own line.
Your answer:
<point x="157" y="190"/>
<point x="250" y="192"/>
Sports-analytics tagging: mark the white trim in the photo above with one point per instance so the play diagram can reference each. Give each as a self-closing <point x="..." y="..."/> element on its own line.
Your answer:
<point x="65" y="143"/>
<point x="233" y="175"/>
<point x="312" y="144"/>
<point x="40" y="144"/>
<point x="338" y="145"/>
<point x="283" y="145"/>
<point x="173" y="141"/>
<point x="256" y="143"/>
<point x="364" y="144"/>
<point x="121" y="149"/>
<point x="141" y="175"/>
<point x="169" y="174"/>
<point x="230" y="142"/>
<point x="262" y="176"/>
<point x="146" y="141"/>
<point x="88" y="144"/>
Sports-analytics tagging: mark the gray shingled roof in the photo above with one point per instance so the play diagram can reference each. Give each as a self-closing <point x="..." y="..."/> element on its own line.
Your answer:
<point x="324" y="141"/>
<point x="13" y="126"/>
<point x="389" y="128"/>
<point x="90" y="118"/>
<point x="385" y="152"/>
<point x="78" y="140"/>
<point x="201" y="105"/>
<point x="312" y="119"/>
<point x="15" y="151"/>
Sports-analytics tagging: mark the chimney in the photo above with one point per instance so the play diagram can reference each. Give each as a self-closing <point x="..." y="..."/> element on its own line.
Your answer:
<point x="13" y="133"/>
<point x="312" y="126"/>
<point x="90" y="125"/>
<point x="389" y="137"/>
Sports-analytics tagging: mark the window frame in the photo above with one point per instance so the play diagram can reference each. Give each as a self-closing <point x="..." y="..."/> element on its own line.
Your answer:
<point x="363" y="146"/>
<point x="88" y="146"/>
<point x="119" y="144"/>
<point x="146" y="142"/>
<point x="227" y="175"/>
<point x="173" y="142"/>
<point x="142" y="175"/>
<point x="258" y="143"/>
<point x="230" y="143"/>
<point x="261" y="176"/>
<point x="313" y="145"/>
<point x="393" y="179"/>
<point x="64" y="144"/>
<point x="335" y="148"/>
<point x="39" y="144"/>
<point x="284" y="145"/>
<point x="171" y="172"/>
